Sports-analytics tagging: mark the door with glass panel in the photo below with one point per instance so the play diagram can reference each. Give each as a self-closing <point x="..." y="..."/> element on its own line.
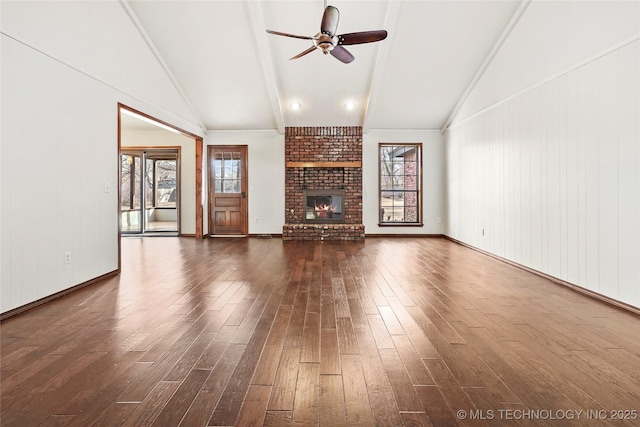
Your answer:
<point x="228" y="190"/>
<point x="149" y="191"/>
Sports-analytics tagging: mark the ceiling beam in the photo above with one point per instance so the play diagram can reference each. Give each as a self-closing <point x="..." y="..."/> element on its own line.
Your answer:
<point x="382" y="59"/>
<point x="256" y="18"/>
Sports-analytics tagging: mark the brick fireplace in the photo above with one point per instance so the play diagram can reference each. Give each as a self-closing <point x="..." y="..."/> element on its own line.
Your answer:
<point x="323" y="163"/>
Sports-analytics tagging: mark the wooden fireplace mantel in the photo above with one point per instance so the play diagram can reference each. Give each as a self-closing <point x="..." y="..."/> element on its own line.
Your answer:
<point x="324" y="164"/>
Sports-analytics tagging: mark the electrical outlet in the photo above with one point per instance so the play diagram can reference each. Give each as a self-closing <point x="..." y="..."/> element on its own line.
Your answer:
<point x="439" y="220"/>
<point x="107" y="187"/>
<point x="257" y="219"/>
<point x="67" y="257"/>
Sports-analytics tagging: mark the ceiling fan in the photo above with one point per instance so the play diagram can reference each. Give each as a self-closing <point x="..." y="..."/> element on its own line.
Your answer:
<point x="327" y="40"/>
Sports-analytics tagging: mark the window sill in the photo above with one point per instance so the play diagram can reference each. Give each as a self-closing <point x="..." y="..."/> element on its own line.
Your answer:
<point x="401" y="224"/>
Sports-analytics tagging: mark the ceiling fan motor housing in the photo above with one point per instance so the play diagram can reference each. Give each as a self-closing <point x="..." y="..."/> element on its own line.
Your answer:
<point x="325" y="42"/>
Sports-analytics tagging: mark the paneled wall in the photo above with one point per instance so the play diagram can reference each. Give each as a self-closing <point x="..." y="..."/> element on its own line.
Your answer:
<point x="59" y="177"/>
<point x="59" y="155"/>
<point x="551" y="178"/>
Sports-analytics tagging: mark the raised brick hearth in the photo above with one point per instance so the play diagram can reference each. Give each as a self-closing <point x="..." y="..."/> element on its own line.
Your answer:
<point x="323" y="158"/>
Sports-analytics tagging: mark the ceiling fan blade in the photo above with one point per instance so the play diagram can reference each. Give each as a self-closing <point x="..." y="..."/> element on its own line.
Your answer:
<point x="342" y="54"/>
<point x="311" y="49"/>
<point x="362" y="37"/>
<point x="278" y="33"/>
<point x="330" y="19"/>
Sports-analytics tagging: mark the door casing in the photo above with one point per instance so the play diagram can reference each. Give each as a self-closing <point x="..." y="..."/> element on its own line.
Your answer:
<point x="228" y="212"/>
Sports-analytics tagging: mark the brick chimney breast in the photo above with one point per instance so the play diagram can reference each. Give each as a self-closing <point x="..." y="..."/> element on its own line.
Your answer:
<point x="323" y="158"/>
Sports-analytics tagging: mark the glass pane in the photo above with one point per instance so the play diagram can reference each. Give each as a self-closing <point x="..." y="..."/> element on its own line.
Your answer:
<point x="149" y="184"/>
<point x="217" y="167"/>
<point x="411" y="207"/>
<point x="398" y="181"/>
<point x="125" y="181"/>
<point x="388" y="206"/>
<point x="235" y="169"/>
<point x="227" y="172"/>
<point x="218" y="186"/>
<point x="386" y="183"/>
<point x="237" y="163"/>
<point x="166" y="190"/>
<point x="130" y="193"/>
<point x="137" y="164"/>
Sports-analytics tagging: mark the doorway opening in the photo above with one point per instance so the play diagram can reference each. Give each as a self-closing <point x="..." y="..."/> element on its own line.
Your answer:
<point x="131" y="119"/>
<point x="150" y="191"/>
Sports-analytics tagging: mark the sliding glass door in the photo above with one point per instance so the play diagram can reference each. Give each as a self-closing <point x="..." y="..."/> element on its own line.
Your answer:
<point x="149" y="191"/>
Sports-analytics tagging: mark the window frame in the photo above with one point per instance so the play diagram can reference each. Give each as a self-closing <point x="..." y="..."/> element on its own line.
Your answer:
<point x="418" y="191"/>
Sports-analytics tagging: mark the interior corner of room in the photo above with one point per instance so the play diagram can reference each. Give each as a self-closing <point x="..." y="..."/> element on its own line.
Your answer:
<point x="527" y="120"/>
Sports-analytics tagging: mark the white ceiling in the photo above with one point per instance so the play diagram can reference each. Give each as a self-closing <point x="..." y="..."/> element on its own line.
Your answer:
<point x="236" y="76"/>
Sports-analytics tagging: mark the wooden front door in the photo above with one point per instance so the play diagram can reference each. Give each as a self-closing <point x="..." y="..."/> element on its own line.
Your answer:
<point x="227" y="189"/>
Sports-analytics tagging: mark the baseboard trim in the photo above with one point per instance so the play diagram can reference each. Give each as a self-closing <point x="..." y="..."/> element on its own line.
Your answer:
<point x="584" y="291"/>
<point x="403" y="235"/>
<point x="34" y="304"/>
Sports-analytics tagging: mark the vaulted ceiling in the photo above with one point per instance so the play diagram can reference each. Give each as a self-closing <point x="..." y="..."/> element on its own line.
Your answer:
<point x="234" y="75"/>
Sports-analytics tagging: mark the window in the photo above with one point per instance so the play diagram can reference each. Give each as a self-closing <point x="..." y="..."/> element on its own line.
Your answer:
<point x="400" y="196"/>
<point x="227" y="172"/>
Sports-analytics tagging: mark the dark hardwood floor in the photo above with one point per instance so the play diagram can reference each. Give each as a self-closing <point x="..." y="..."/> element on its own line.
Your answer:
<point x="386" y="332"/>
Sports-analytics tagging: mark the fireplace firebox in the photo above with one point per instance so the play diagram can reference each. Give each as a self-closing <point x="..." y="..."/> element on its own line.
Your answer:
<point x="323" y="206"/>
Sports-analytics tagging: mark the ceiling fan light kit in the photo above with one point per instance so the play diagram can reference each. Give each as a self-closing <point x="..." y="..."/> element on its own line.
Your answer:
<point x="329" y="43"/>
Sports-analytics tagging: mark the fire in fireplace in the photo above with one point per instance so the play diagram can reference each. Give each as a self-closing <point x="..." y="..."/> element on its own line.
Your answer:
<point x="323" y="206"/>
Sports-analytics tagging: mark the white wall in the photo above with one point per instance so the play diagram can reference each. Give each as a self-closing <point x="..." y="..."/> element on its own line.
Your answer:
<point x="552" y="176"/>
<point x="432" y="176"/>
<point x="97" y="38"/>
<point x="57" y="156"/>
<point x="59" y="139"/>
<point x="265" y="174"/>
<point x="165" y="138"/>
<point x="550" y="37"/>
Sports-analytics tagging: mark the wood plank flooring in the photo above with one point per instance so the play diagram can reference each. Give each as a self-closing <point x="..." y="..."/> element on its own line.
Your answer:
<point x="388" y="332"/>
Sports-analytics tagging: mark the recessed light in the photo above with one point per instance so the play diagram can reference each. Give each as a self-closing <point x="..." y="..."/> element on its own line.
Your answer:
<point x="350" y="105"/>
<point x="295" y="105"/>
